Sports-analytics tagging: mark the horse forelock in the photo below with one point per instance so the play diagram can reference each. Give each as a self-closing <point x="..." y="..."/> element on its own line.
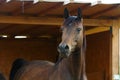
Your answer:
<point x="70" y="20"/>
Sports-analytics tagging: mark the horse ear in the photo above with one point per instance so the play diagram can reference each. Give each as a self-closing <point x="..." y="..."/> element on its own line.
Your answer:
<point x="66" y="13"/>
<point x="79" y="14"/>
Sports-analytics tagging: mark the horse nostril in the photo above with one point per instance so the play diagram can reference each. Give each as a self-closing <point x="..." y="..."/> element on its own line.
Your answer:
<point x="66" y="47"/>
<point x="63" y="47"/>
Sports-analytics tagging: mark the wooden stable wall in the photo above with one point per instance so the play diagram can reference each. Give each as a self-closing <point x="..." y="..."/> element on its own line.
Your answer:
<point x="29" y="49"/>
<point x="98" y="56"/>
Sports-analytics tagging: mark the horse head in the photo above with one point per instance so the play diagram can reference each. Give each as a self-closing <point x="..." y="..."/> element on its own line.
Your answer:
<point x="72" y="33"/>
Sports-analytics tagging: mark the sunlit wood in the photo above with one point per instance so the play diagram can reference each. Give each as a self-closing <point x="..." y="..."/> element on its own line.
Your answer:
<point x="96" y="30"/>
<point x="115" y="48"/>
<point x="50" y="21"/>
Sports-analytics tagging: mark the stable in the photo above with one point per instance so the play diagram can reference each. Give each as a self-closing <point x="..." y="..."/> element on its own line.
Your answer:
<point x="32" y="31"/>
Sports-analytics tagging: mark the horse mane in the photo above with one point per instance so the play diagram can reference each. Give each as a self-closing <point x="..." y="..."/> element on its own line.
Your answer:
<point x="84" y="39"/>
<point x="17" y="64"/>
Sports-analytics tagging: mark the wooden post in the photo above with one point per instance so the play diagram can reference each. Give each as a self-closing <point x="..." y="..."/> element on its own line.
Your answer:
<point x="119" y="47"/>
<point x="115" y="48"/>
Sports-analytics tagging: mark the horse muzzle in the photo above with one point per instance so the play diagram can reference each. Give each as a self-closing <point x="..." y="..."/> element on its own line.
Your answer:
<point x="63" y="50"/>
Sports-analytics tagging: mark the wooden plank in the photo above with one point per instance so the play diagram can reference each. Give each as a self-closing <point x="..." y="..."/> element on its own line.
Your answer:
<point x="83" y="7"/>
<point x="98" y="22"/>
<point x="96" y="30"/>
<point x="43" y="12"/>
<point x="115" y="48"/>
<point x="50" y="21"/>
<point x="30" y="20"/>
<point x="119" y="48"/>
<point x="19" y="10"/>
<point x="99" y="13"/>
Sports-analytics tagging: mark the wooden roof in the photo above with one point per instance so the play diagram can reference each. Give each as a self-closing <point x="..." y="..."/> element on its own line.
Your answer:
<point x="44" y="18"/>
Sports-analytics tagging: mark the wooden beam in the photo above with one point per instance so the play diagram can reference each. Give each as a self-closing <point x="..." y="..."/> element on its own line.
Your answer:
<point x="98" y="22"/>
<point x="115" y="48"/>
<point x="43" y="12"/>
<point x="50" y="21"/>
<point x="19" y="9"/>
<point x="85" y="6"/>
<point x="30" y="20"/>
<point x="99" y="13"/>
<point x="96" y="30"/>
<point x="119" y="50"/>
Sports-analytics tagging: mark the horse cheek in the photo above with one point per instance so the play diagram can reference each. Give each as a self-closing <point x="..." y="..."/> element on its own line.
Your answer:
<point x="80" y="41"/>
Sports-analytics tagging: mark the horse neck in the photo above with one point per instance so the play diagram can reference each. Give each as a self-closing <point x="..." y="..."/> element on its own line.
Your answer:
<point x="72" y="64"/>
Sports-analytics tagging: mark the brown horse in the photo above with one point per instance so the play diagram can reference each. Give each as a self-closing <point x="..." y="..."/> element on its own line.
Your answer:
<point x="71" y="62"/>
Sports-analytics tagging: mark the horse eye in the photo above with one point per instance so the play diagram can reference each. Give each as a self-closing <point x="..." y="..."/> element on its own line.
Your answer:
<point x="70" y="24"/>
<point x="78" y="29"/>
